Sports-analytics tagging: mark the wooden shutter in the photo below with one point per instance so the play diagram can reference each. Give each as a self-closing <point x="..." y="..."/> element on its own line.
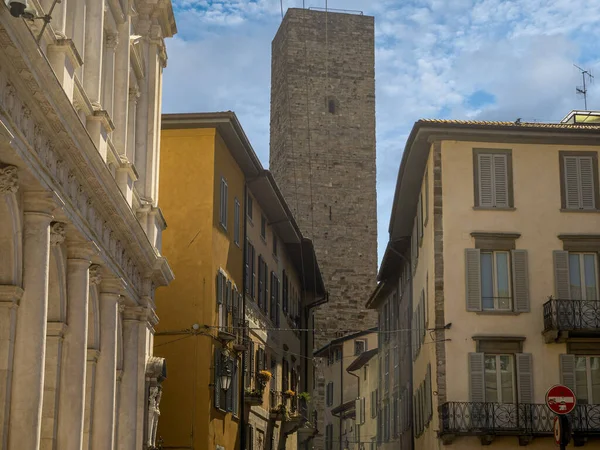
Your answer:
<point x="219" y="288"/>
<point x="247" y="267"/>
<point x="420" y="218"/>
<point x="567" y="370"/>
<point x="500" y="180"/>
<point x="217" y="379"/>
<point x="253" y="265"/>
<point x="266" y="284"/>
<point x="473" y="279"/>
<point x="524" y="377"/>
<point x="229" y="394"/>
<point x="251" y="370"/>
<point x="476" y="377"/>
<point x="572" y="192"/>
<point x="426" y="208"/>
<point x="586" y="176"/>
<point x="520" y="280"/>
<point x="485" y="179"/>
<point x="250" y="438"/>
<point x="561" y="275"/>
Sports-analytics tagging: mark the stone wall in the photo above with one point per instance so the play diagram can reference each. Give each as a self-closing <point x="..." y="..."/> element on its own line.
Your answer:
<point x="323" y="153"/>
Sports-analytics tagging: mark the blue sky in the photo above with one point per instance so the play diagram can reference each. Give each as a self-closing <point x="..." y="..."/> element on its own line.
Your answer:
<point x="460" y="59"/>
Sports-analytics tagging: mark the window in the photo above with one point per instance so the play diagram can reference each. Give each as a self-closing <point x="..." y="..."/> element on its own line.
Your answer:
<point x="583" y="271"/>
<point x="329" y="436"/>
<point x="329" y="394"/>
<point x="497" y="280"/>
<point x="396" y="366"/>
<point x="500" y="379"/>
<point x="236" y="222"/>
<point x="414" y="247"/>
<point x="285" y="293"/>
<point x="221" y="290"/>
<point x="587" y="379"/>
<point x="274" y="309"/>
<point x="223" y="204"/>
<point x="250" y="270"/>
<point x="226" y="400"/>
<point x="386" y="422"/>
<point x="250" y="437"/>
<point x="579" y="180"/>
<point x="386" y="373"/>
<point x="374" y="403"/>
<point x="337" y="353"/>
<point x="274" y="244"/>
<point x="263" y="227"/>
<point x="249" y="204"/>
<point x="360" y="346"/>
<point x="493" y="178"/>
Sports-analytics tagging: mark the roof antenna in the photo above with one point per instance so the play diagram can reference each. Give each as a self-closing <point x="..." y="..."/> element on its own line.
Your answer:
<point x="582" y="90"/>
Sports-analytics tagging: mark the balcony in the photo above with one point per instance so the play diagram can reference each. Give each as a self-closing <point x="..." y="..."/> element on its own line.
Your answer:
<point x="571" y="318"/>
<point x="524" y="421"/>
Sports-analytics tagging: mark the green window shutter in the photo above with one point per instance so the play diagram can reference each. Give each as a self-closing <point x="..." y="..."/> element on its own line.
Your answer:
<point x="251" y="363"/>
<point x="572" y="182"/>
<point x="219" y="288"/>
<point x="525" y="377"/>
<point x="520" y="280"/>
<point x="586" y="176"/>
<point x="486" y="180"/>
<point x="561" y="275"/>
<point x="476" y="377"/>
<point x="500" y="181"/>
<point x="473" y="279"/>
<point x="229" y="394"/>
<point x="217" y="379"/>
<point x="567" y="370"/>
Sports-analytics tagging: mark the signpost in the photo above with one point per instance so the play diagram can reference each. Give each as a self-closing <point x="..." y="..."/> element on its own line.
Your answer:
<point x="561" y="401"/>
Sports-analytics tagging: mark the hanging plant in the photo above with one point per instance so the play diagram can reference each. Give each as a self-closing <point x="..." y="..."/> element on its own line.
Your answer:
<point x="289" y="393"/>
<point x="264" y="375"/>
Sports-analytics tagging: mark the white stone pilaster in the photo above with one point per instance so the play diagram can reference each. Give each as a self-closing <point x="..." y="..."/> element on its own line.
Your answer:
<point x="120" y="114"/>
<point x="73" y="377"/>
<point x="133" y="95"/>
<point x="128" y="403"/>
<point x="90" y="389"/>
<point x="106" y="370"/>
<point x="111" y="41"/>
<point x="30" y="335"/>
<point x="54" y="341"/>
<point x="94" y="45"/>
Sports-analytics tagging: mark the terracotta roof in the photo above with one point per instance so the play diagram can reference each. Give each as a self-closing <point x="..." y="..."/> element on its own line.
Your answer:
<point x="487" y="123"/>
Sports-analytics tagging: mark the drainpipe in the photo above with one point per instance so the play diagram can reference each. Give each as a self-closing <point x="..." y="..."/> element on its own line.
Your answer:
<point x="358" y="397"/>
<point x="341" y="393"/>
<point x="242" y="428"/>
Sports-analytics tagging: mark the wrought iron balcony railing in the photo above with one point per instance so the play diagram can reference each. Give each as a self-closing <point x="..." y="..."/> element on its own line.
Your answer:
<point x="473" y="418"/>
<point x="572" y="315"/>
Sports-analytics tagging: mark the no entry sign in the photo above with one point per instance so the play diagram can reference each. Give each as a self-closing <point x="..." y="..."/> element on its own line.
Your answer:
<point x="560" y="399"/>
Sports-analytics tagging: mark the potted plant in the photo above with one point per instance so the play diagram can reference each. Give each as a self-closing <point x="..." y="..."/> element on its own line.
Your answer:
<point x="253" y="396"/>
<point x="280" y="412"/>
<point x="264" y="375"/>
<point x="304" y="397"/>
<point x="289" y="393"/>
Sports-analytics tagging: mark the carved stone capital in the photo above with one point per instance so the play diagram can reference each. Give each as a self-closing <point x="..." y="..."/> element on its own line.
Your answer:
<point x="58" y="233"/>
<point x="9" y="180"/>
<point x="95" y="274"/>
<point x="111" y="40"/>
<point x="134" y="94"/>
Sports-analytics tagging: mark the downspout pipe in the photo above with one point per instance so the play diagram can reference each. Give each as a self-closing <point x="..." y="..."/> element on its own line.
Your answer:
<point x="242" y="428"/>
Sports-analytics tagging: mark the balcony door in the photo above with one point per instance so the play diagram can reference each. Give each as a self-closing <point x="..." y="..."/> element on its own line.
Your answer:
<point x="583" y="281"/>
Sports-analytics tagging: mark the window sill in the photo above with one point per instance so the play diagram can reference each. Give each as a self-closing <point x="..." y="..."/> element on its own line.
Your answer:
<point x="485" y="208"/>
<point x="223" y="226"/>
<point x="497" y="313"/>
<point x="580" y="210"/>
<point x="264" y="239"/>
<point x="250" y="221"/>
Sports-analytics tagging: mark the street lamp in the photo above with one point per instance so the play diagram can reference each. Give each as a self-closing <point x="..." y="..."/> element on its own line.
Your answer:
<point x="226" y="374"/>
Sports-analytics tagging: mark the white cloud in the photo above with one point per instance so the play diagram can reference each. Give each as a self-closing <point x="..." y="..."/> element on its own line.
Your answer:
<point x="431" y="56"/>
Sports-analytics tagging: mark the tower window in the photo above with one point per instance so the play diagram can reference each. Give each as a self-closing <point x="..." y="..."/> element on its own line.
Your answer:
<point x="331" y="106"/>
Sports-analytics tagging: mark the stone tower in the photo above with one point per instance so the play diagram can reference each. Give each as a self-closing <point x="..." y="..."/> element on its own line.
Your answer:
<point x="322" y="152"/>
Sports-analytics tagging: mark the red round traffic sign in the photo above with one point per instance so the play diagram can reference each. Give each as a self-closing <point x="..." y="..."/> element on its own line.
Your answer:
<point x="560" y="399"/>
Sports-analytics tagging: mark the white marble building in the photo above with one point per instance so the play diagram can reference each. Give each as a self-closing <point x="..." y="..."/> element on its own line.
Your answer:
<point x="80" y="226"/>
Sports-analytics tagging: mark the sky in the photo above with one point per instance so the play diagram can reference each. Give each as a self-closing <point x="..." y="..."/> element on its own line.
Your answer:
<point x="451" y="59"/>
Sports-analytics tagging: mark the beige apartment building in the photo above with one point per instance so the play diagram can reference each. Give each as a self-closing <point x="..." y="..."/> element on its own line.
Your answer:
<point x="494" y="241"/>
<point x="341" y="387"/>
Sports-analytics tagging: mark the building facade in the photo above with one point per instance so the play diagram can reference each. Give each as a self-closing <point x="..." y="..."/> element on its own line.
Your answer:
<point x="341" y="390"/>
<point x="503" y="274"/>
<point x="247" y="282"/>
<point x="80" y="227"/>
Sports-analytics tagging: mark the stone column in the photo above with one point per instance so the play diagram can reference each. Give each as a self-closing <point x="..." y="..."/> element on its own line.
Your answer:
<point x="128" y="404"/>
<point x="121" y="88"/>
<point x="108" y="83"/>
<point x="106" y="371"/>
<point x="134" y="95"/>
<point x="30" y="335"/>
<point x="90" y="390"/>
<point x="73" y="377"/>
<point x="92" y="58"/>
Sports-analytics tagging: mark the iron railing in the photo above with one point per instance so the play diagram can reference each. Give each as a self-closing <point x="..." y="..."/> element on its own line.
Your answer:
<point x="572" y="315"/>
<point x="513" y="418"/>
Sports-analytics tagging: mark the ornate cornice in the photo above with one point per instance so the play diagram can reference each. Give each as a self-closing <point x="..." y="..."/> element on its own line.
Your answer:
<point x="9" y="180"/>
<point x="67" y="160"/>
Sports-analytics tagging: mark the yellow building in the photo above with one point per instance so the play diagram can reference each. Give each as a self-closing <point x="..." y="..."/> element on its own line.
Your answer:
<point x="493" y="265"/>
<point x="221" y="246"/>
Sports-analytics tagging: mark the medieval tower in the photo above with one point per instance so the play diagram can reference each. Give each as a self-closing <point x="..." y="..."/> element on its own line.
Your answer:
<point x="322" y="153"/>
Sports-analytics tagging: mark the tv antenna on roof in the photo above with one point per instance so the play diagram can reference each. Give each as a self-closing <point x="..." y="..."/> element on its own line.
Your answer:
<point x="582" y="90"/>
